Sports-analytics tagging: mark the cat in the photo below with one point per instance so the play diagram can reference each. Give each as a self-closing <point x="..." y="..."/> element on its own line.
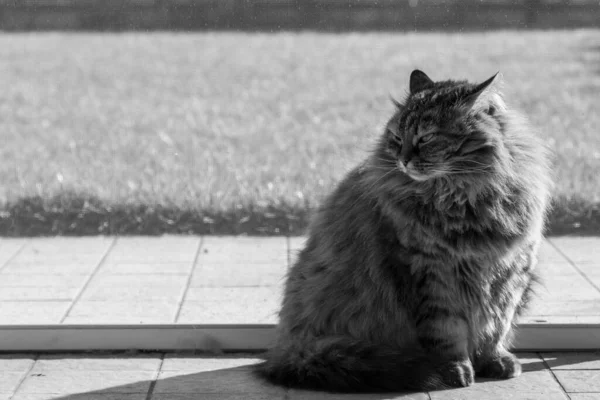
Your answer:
<point x="418" y="263"/>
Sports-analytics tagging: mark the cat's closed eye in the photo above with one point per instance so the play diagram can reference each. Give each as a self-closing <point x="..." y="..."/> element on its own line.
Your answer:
<point x="426" y="138"/>
<point x="395" y="135"/>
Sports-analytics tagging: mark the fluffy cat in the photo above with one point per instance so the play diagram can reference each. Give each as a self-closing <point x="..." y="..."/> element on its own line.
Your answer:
<point x="419" y="261"/>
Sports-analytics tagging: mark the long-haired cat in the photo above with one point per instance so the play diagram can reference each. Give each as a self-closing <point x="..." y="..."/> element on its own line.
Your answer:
<point x="418" y="263"/>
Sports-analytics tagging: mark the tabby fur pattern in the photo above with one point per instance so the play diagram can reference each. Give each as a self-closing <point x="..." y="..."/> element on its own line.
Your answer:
<point x="418" y="263"/>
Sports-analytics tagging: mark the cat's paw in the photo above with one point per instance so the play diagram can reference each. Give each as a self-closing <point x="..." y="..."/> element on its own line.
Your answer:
<point x="457" y="373"/>
<point x="502" y="366"/>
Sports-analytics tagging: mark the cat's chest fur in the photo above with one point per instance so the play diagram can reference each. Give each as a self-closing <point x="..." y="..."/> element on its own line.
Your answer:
<point x="482" y="285"/>
<point x="482" y="268"/>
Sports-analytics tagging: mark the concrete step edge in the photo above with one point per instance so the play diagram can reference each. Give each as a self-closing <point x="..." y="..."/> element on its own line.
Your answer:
<point x="217" y="338"/>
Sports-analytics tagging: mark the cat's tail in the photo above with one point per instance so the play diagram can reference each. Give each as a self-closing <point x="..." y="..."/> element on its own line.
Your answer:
<point x="346" y="365"/>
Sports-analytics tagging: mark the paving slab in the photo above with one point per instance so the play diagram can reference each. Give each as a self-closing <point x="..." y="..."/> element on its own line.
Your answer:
<point x="549" y="253"/>
<point x="591" y="272"/>
<point x="239" y="274"/>
<point x="68" y="245"/>
<point x="167" y="249"/>
<point x="580" y="250"/>
<point x="572" y="360"/>
<point x="565" y="287"/>
<point x="32" y="312"/>
<point x="219" y="396"/>
<point x="9" y="381"/>
<point x="24" y="279"/>
<point x="155" y="311"/>
<point x="134" y="293"/>
<point x="79" y="396"/>
<point x="219" y="279"/>
<point x="250" y="250"/>
<point x="577" y="372"/>
<point x="50" y="267"/>
<point x="174" y="376"/>
<point x="85" y="377"/>
<point x="96" y="362"/>
<point x="550" y="308"/>
<point x="227" y="380"/>
<point x="9" y="248"/>
<point x="12" y="371"/>
<point x="158" y="282"/>
<point x="150" y="257"/>
<point x="27" y="293"/>
<point x="167" y="243"/>
<point x="536" y="383"/>
<point x="211" y="375"/>
<point x="231" y="305"/>
<point x="71" y="382"/>
<point x="16" y="362"/>
<point x="135" y="268"/>
<point x="197" y="363"/>
<point x="307" y="395"/>
<point x="580" y="381"/>
<point x="27" y="256"/>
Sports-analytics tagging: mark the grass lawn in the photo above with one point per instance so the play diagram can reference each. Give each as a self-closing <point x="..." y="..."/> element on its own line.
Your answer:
<point x="245" y="133"/>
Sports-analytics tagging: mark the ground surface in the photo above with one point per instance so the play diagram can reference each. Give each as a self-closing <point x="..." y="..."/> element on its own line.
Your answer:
<point x="546" y="376"/>
<point x="219" y="280"/>
<point x="233" y="132"/>
<point x="203" y="280"/>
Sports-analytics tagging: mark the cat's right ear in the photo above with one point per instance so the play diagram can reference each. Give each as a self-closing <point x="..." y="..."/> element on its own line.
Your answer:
<point x="419" y="81"/>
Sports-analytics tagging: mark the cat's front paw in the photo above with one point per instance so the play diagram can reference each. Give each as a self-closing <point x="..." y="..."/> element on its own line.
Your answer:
<point x="457" y="373"/>
<point x="501" y="366"/>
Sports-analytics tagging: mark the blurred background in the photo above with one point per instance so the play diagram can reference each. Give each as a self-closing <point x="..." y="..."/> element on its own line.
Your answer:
<point x="239" y="116"/>
<point x="297" y="14"/>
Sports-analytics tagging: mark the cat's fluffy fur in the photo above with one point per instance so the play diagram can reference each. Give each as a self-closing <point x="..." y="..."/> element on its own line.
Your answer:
<point x="419" y="261"/>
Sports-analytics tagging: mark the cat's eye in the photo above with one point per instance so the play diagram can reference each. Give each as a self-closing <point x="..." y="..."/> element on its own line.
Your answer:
<point x="426" y="138"/>
<point x="394" y="134"/>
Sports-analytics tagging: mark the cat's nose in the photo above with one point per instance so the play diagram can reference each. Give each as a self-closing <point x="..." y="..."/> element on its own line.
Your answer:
<point x="404" y="161"/>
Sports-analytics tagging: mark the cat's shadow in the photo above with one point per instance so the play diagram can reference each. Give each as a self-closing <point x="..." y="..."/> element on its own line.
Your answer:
<point x="241" y="383"/>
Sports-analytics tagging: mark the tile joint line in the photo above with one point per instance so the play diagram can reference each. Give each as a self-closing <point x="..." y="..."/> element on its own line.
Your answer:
<point x="156" y="376"/>
<point x="89" y="279"/>
<point x="554" y="375"/>
<point x="189" y="279"/>
<point x="15" y="254"/>
<point x="25" y="375"/>
<point x="584" y="276"/>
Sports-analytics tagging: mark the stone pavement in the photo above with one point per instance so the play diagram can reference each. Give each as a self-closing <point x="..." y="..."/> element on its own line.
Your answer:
<point x="234" y="280"/>
<point x="218" y="280"/>
<point x="155" y="376"/>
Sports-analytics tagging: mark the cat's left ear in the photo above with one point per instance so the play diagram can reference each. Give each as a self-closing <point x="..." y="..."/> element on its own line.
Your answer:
<point x="486" y="95"/>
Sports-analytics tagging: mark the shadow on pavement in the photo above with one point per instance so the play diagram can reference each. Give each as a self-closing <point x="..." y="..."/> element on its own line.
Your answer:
<point x="241" y="383"/>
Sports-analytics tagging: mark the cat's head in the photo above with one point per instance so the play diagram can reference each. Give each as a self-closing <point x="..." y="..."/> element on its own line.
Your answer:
<point x="446" y="128"/>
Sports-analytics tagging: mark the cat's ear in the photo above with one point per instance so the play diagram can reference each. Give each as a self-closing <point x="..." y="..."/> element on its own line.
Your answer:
<point x="486" y="94"/>
<point x="419" y="81"/>
<point x="492" y="83"/>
